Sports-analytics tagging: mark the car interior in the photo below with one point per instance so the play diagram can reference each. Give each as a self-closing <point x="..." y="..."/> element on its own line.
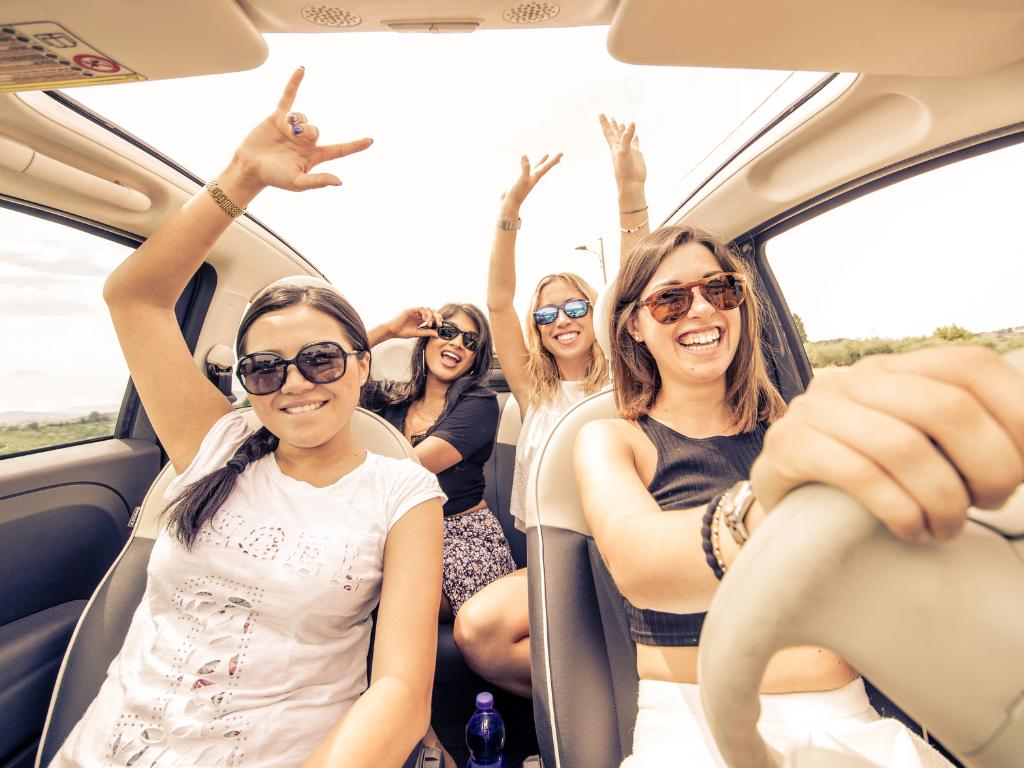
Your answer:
<point x="911" y="90"/>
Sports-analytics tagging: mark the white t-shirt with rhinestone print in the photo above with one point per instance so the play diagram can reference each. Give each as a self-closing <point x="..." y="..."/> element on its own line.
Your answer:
<point x="247" y="650"/>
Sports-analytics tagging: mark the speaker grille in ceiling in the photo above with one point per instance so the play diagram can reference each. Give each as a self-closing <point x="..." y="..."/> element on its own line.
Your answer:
<point x="531" y="13"/>
<point x="330" y="16"/>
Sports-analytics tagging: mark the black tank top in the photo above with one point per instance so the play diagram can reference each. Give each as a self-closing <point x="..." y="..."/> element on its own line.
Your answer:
<point x="689" y="474"/>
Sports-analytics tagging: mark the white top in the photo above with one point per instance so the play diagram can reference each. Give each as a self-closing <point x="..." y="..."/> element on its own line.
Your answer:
<point x="537" y="425"/>
<point x="247" y="650"/>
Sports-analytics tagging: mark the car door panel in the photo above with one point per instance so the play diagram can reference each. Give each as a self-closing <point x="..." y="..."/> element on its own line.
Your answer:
<point x="64" y="517"/>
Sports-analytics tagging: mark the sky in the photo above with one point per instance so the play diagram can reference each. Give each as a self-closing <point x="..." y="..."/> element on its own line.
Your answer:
<point x="450" y="115"/>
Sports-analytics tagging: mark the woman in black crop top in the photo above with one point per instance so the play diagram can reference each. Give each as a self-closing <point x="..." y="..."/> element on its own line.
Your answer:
<point x="451" y="418"/>
<point x="696" y="401"/>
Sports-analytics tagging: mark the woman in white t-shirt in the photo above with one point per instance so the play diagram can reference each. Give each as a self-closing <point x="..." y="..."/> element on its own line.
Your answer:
<point x="555" y="365"/>
<point x="249" y="647"/>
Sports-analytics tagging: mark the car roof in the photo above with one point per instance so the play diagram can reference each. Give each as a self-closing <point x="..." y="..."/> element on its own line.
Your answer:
<point x="127" y="41"/>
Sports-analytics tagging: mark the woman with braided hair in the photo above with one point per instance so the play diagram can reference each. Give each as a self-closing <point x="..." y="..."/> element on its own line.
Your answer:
<point x="249" y="647"/>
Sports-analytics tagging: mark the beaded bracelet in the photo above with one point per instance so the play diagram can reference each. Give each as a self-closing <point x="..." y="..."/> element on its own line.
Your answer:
<point x="637" y="228"/>
<point x="705" y="537"/>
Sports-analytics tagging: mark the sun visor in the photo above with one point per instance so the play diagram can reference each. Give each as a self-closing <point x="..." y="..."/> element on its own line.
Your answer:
<point x="65" y="43"/>
<point x="911" y="37"/>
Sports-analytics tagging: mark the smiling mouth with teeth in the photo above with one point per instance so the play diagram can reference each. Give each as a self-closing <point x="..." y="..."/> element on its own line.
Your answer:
<point x="567" y="336"/>
<point x="304" y="408"/>
<point x="700" y="340"/>
<point x="451" y="356"/>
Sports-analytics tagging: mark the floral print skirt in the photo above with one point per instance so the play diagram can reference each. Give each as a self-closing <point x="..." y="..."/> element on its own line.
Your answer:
<point x="476" y="553"/>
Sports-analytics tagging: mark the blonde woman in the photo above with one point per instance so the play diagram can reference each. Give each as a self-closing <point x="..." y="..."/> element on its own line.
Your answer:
<point x="553" y="366"/>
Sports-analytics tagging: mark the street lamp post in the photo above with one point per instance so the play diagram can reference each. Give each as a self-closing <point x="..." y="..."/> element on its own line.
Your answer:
<point x="600" y="256"/>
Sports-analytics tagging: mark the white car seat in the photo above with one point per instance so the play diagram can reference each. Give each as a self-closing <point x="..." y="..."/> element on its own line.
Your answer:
<point x="583" y="659"/>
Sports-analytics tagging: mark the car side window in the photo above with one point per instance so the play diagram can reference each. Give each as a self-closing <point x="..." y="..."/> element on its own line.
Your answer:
<point x="63" y="376"/>
<point x="933" y="259"/>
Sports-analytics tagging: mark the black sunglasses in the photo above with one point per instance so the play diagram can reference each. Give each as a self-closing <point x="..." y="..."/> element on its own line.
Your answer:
<point x="320" y="362"/>
<point x="574" y="308"/>
<point x="450" y="331"/>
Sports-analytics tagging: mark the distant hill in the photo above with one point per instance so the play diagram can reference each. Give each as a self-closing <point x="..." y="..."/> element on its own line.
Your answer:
<point x="51" y="417"/>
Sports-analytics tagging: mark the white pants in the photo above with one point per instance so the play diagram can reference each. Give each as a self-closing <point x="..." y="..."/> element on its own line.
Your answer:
<point x="671" y="729"/>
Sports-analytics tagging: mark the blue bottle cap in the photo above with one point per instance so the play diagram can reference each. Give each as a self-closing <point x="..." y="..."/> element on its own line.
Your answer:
<point x="484" y="701"/>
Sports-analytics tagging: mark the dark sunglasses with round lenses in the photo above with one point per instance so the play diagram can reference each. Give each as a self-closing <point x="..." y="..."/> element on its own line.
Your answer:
<point x="574" y="308"/>
<point x="321" y="362"/>
<point x="725" y="290"/>
<point x="450" y="332"/>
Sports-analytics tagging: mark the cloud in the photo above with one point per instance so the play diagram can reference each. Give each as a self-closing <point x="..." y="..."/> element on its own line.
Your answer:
<point x="45" y="260"/>
<point x="26" y="373"/>
<point x="48" y="307"/>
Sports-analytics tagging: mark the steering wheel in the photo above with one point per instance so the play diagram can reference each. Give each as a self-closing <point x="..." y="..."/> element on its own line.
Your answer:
<point x="938" y="627"/>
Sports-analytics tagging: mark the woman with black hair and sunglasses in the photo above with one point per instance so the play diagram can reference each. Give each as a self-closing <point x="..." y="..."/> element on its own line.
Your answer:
<point x="450" y="416"/>
<point x="249" y="646"/>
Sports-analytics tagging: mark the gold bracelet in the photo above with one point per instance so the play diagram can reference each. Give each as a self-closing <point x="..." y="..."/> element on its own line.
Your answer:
<point x="221" y="198"/>
<point x="716" y="530"/>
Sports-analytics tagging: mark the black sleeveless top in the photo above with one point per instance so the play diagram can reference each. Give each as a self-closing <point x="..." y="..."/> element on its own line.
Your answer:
<point x="470" y="426"/>
<point x="689" y="474"/>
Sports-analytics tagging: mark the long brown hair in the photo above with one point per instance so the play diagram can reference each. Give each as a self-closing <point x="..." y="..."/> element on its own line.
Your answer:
<point x="200" y="500"/>
<point x="540" y="364"/>
<point x="473" y="383"/>
<point x="750" y="394"/>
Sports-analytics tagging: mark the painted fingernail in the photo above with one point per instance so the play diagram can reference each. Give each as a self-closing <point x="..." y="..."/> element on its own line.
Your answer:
<point x="297" y="130"/>
<point x="292" y="117"/>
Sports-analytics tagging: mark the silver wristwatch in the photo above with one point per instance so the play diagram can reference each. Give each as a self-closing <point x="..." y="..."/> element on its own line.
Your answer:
<point x="509" y="224"/>
<point x="733" y="508"/>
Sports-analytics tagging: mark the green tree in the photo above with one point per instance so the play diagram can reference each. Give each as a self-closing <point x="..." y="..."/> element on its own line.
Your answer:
<point x="798" y="323"/>
<point x="952" y="333"/>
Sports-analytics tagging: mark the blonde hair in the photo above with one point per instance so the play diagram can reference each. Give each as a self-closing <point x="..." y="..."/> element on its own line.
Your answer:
<point x="540" y="363"/>
<point x="750" y="394"/>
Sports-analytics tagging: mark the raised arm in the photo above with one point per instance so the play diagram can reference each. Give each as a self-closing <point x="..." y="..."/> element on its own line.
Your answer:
<point x="407" y="324"/>
<point x="630" y="178"/>
<point x="506" y="329"/>
<point x="655" y="556"/>
<point x="387" y="721"/>
<point x="141" y="293"/>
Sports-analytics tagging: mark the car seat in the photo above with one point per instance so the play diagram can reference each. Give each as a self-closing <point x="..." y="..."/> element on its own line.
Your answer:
<point x="937" y="627"/>
<point x="583" y="659"/>
<point x="104" y="622"/>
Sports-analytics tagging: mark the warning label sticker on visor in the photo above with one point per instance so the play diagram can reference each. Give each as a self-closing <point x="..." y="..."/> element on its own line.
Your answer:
<point x="38" y="55"/>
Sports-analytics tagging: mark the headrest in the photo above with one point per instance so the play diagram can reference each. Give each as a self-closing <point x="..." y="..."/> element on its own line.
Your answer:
<point x="392" y="359"/>
<point x="551" y="497"/>
<point x="305" y="280"/>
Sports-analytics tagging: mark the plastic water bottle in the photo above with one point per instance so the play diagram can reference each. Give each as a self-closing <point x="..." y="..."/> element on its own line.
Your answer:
<point x="485" y="735"/>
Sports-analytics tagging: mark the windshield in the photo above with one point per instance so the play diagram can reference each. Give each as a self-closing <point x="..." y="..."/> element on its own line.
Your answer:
<point x="450" y="115"/>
